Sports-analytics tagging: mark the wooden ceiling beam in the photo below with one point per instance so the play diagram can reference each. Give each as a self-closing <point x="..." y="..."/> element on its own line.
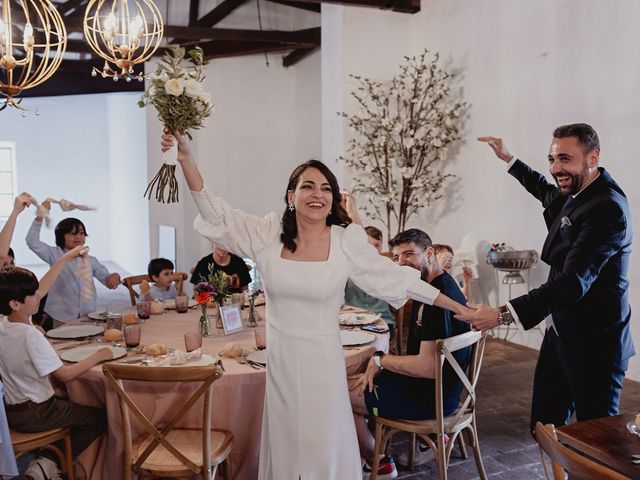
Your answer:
<point x="297" y="55"/>
<point x="234" y="49"/>
<point x="70" y="6"/>
<point x="310" y="7"/>
<point x="404" y="6"/>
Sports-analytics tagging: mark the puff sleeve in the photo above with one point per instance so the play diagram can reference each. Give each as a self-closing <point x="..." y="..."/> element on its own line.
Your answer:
<point x="244" y="234"/>
<point x="379" y="276"/>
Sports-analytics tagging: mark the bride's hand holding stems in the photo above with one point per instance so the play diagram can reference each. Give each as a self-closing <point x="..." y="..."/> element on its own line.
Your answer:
<point x="185" y="159"/>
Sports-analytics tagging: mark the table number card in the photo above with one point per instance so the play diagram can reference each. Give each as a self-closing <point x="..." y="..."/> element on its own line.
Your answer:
<point x="231" y="319"/>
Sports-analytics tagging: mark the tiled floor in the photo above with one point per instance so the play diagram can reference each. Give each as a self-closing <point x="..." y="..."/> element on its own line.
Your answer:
<point x="504" y="399"/>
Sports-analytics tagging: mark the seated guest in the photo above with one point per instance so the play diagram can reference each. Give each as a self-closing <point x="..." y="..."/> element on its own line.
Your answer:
<point x="73" y="294"/>
<point x="221" y="259"/>
<point x="27" y="359"/>
<point x="444" y="254"/>
<point x="356" y="297"/>
<point x="160" y="271"/>
<point x="402" y="386"/>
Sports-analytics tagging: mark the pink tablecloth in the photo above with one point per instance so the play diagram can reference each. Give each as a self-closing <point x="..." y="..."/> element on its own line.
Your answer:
<point x="237" y="397"/>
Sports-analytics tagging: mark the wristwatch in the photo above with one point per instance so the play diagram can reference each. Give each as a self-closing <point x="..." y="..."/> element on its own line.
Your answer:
<point x="505" y="317"/>
<point x="377" y="358"/>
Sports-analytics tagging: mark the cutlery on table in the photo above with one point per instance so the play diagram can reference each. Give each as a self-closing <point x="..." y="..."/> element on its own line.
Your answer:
<point x="256" y="365"/>
<point x="73" y="345"/>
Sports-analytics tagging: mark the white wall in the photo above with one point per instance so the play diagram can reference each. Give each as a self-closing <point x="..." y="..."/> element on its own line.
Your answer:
<point x="129" y="216"/>
<point x="62" y="153"/>
<point x="266" y="121"/>
<point x="527" y="68"/>
<point x="89" y="149"/>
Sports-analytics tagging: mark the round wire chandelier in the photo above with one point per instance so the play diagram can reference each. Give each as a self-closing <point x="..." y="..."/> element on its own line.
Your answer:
<point x="33" y="40"/>
<point x="124" y="33"/>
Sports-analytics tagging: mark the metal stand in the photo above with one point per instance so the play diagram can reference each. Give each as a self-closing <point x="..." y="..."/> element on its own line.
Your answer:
<point x="497" y="331"/>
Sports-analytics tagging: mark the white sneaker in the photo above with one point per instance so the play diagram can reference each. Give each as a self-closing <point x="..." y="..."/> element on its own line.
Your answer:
<point x="422" y="455"/>
<point x="42" y="469"/>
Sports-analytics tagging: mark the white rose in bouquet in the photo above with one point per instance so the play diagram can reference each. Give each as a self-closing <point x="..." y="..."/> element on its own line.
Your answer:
<point x="193" y="88"/>
<point x="205" y="98"/>
<point x="174" y="87"/>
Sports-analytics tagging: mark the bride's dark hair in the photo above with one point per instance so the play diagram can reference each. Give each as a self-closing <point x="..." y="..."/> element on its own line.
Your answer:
<point x="337" y="216"/>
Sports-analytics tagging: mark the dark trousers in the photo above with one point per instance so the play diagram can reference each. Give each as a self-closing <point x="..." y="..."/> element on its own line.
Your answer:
<point x="561" y="387"/>
<point x="87" y="423"/>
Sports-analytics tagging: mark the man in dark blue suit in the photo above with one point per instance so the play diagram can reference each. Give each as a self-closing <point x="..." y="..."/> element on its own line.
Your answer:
<point x="587" y="344"/>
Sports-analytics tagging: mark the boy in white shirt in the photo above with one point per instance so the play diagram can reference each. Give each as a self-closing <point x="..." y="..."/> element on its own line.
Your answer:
<point x="27" y="359"/>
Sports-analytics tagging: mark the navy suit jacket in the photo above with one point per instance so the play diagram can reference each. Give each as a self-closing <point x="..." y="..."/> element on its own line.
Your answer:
<point x="588" y="248"/>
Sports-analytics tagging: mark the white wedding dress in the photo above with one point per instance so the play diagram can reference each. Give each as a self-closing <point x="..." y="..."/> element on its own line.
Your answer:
<point x="308" y="431"/>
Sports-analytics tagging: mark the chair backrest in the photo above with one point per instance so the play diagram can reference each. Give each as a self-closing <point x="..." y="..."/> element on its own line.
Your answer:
<point x="129" y="282"/>
<point x="562" y="458"/>
<point x="205" y="375"/>
<point x="469" y="378"/>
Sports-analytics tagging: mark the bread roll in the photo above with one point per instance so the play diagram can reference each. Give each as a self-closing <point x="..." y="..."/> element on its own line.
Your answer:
<point x="232" y="350"/>
<point x="156" y="349"/>
<point x="113" y="335"/>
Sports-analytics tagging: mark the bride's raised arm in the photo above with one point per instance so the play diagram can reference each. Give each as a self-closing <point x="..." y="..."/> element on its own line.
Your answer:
<point x="241" y="233"/>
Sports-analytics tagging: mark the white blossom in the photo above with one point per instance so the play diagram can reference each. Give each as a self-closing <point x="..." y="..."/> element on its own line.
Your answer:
<point x="174" y="86"/>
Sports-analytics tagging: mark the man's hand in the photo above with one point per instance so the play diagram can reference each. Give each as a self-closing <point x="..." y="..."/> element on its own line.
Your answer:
<point x="482" y="317"/>
<point x="366" y="380"/>
<point x="22" y="201"/>
<point x="498" y="147"/>
<point x="348" y="202"/>
<point x="113" y="281"/>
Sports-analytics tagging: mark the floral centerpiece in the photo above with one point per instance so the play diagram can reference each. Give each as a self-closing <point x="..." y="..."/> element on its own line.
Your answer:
<point x="204" y="292"/>
<point x="253" y="314"/>
<point x="176" y="92"/>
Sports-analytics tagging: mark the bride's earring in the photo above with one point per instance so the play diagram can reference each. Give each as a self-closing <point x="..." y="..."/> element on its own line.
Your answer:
<point x="291" y="207"/>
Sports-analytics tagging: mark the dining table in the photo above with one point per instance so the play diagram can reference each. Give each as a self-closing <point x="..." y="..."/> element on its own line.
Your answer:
<point x="606" y="440"/>
<point x="237" y="397"/>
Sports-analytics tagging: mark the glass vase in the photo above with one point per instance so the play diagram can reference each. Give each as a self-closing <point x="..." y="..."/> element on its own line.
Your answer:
<point x="219" y="325"/>
<point x="252" y="321"/>
<point x="203" y="323"/>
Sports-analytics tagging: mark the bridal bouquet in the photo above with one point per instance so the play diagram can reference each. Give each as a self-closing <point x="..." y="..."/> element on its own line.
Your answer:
<point x="176" y="92"/>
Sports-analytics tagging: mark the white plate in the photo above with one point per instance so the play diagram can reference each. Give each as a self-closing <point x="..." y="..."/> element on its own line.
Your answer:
<point x="258" y="356"/>
<point x="358" y="318"/>
<point x="171" y="304"/>
<point x="80" y="353"/>
<point x="75" y="331"/>
<point x="100" y="315"/>
<point x="352" y="337"/>
<point x="633" y="428"/>
<point x="203" y="361"/>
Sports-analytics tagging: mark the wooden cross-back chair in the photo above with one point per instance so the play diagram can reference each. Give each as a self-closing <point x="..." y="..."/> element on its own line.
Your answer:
<point x="564" y="459"/>
<point x="129" y="282"/>
<point x="24" y="443"/>
<point x="171" y="451"/>
<point x="462" y="421"/>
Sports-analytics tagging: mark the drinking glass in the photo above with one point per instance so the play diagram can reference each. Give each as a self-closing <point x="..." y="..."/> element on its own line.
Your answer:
<point x="192" y="341"/>
<point x="261" y="338"/>
<point x="132" y="334"/>
<point x="144" y="309"/>
<point x="182" y="303"/>
<point x="114" y="320"/>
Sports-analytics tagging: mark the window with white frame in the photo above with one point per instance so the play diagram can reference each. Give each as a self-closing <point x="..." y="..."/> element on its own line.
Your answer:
<point x="8" y="183"/>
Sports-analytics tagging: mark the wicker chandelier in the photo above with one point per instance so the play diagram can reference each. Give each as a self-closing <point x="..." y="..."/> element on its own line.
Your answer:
<point x="32" y="42"/>
<point x="124" y="33"/>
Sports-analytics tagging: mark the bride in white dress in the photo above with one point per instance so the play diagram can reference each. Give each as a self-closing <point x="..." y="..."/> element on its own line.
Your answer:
<point x="305" y="259"/>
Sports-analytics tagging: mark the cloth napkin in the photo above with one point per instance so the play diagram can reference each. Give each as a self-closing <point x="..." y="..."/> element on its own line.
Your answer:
<point x="178" y="357"/>
<point x="65" y="206"/>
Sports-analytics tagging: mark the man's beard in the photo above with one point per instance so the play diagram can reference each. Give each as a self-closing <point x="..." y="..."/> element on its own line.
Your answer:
<point x="575" y="183"/>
